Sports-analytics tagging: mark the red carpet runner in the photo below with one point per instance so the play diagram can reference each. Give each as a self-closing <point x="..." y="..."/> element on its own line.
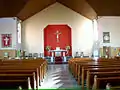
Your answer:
<point x="58" y="60"/>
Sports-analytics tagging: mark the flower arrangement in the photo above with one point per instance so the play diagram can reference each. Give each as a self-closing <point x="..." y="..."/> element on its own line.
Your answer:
<point x="48" y="48"/>
<point x="68" y="47"/>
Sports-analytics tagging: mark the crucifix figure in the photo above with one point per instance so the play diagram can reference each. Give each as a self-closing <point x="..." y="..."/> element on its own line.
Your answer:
<point x="57" y="35"/>
<point x="6" y="41"/>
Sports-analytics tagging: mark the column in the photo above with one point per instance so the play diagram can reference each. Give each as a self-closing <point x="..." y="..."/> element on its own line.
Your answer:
<point x="52" y="57"/>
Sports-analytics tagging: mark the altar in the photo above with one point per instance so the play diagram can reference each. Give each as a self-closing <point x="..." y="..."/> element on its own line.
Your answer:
<point x="58" y="53"/>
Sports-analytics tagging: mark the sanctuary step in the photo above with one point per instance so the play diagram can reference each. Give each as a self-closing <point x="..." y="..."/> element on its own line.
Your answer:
<point x="57" y="60"/>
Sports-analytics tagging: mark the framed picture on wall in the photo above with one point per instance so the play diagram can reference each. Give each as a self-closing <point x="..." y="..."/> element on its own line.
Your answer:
<point x="6" y="40"/>
<point x="106" y="37"/>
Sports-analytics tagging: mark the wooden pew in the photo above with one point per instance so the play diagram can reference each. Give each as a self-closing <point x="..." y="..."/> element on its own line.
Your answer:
<point x="35" y="69"/>
<point x="42" y="68"/>
<point x="92" y="64"/>
<point x="90" y="76"/>
<point x="18" y="69"/>
<point x="105" y="69"/>
<point x="99" y="80"/>
<point x="75" y="67"/>
<point x="8" y="65"/>
<point x="81" y="69"/>
<point x="10" y="78"/>
<point x="14" y="84"/>
<point x="73" y="64"/>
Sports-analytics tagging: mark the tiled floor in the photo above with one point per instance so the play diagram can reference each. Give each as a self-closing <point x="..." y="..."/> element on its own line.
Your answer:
<point x="58" y="76"/>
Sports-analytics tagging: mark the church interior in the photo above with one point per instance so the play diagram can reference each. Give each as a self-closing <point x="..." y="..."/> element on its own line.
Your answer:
<point x="59" y="44"/>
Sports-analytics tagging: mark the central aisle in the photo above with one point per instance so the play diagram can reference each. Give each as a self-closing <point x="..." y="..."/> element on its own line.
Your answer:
<point x="58" y="76"/>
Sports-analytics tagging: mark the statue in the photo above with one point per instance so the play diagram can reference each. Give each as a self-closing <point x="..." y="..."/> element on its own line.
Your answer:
<point x="57" y="35"/>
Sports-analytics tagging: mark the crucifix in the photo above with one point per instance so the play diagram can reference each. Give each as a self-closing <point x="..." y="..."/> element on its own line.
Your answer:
<point x="57" y="35"/>
<point x="6" y="41"/>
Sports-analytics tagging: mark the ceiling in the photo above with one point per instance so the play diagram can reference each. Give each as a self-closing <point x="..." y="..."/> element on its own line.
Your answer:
<point x="24" y="9"/>
<point x="105" y="7"/>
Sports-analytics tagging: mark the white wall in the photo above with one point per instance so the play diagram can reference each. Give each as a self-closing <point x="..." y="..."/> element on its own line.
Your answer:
<point x="109" y="24"/>
<point x="8" y="26"/>
<point x="32" y="31"/>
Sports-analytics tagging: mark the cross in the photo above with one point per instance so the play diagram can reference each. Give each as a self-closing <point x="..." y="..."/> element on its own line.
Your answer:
<point x="57" y="35"/>
<point x="6" y="41"/>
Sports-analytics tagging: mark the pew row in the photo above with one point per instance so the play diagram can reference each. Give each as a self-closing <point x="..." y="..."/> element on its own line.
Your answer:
<point x="35" y="70"/>
<point x="83" y="69"/>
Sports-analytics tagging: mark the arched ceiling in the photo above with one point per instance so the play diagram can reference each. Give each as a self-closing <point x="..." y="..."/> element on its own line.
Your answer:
<point x="32" y="7"/>
<point x="9" y="8"/>
<point x="24" y="9"/>
<point x="105" y="7"/>
<point x="80" y="6"/>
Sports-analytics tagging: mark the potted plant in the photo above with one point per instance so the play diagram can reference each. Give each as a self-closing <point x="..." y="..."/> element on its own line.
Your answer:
<point x="48" y="48"/>
<point x="67" y="47"/>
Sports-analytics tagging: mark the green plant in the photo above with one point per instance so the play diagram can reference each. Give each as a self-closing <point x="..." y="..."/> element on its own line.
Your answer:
<point x="48" y="48"/>
<point x="68" y="47"/>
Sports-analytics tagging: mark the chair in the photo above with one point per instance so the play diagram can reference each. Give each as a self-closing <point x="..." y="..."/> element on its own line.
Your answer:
<point x="30" y="55"/>
<point x="35" y="55"/>
<point x="41" y="54"/>
<point x="6" y="54"/>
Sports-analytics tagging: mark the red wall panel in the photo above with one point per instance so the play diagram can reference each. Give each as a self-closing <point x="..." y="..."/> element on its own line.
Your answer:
<point x="51" y="40"/>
